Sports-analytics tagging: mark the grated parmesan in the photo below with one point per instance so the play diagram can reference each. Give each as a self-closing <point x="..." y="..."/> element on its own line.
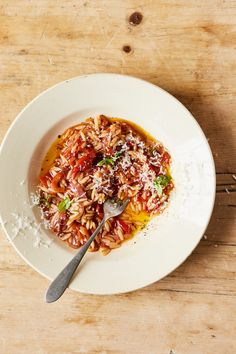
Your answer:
<point x="35" y="199"/>
<point x="21" y="224"/>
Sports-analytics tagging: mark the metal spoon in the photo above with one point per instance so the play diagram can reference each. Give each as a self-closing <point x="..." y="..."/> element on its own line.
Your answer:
<point x="58" y="286"/>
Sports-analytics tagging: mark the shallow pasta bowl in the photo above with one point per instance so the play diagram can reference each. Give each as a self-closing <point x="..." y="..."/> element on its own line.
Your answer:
<point x="170" y="237"/>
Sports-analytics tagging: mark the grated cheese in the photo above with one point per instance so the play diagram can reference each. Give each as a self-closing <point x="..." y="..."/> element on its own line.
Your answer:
<point x="148" y="176"/>
<point x="35" y="199"/>
<point x="125" y="161"/>
<point x="22" y="223"/>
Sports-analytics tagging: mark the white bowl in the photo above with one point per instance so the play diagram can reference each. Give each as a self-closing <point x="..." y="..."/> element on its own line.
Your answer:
<point x="170" y="237"/>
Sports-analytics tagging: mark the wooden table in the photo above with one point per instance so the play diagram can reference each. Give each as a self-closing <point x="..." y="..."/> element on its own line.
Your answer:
<point x="188" y="47"/>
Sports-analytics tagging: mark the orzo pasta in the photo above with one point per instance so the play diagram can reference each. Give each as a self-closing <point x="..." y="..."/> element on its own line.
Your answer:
<point x="98" y="159"/>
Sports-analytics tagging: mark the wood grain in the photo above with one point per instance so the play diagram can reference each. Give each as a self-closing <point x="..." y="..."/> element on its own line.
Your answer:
<point x="188" y="48"/>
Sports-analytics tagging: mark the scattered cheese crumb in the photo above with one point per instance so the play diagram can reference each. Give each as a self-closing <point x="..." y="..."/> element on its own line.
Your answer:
<point x="227" y="191"/>
<point x="21" y="224"/>
<point x="40" y="242"/>
<point x="4" y="223"/>
<point x="34" y="199"/>
<point x="234" y="177"/>
<point x="205" y="237"/>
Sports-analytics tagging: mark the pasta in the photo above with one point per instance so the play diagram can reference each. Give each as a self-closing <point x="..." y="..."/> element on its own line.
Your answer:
<point x="97" y="159"/>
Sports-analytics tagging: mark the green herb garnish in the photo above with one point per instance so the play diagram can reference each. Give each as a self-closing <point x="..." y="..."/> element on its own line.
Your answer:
<point x="160" y="183"/>
<point x="64" y="204"/>
<point x="109" y="160"/>
<point x="158" y="188"/>
<point x="118" y="154"/>
<point x="46" y="200"/>
<point x="106" y="161"/>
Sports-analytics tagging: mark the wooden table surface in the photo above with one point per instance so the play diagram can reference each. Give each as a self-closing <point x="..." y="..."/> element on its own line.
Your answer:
<point x="188" y="47"/>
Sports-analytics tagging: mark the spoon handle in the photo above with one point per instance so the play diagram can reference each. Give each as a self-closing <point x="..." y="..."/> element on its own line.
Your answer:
<point x="59" y="285"/>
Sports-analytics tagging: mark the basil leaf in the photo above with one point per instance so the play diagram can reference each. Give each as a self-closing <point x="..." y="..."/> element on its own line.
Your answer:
<point x="118" y="154"/>
<point x="109" y="160"/>
<point x="161" y="182"/>
<point x="159" y="189"/>
<point x="106" y="161"/>
<point x="64" y="204"/>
